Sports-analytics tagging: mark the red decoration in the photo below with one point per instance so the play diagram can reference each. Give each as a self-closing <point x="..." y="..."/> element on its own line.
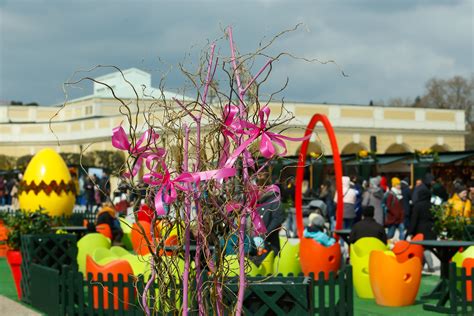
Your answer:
<point x="300" y="172"/>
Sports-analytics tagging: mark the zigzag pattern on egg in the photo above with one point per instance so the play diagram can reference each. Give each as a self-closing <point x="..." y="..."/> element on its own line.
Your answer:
<point x="47" y="188"/>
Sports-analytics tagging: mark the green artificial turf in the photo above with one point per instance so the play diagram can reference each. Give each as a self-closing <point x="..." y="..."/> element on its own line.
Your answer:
<point x="370" y="308"/>
<point x="7" y="285"/>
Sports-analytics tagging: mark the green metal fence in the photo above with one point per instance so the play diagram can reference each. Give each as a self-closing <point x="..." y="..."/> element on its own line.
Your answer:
<point x="459" y="302"/>
<point x="51" y="250"/>
<point x="70" y="294"/>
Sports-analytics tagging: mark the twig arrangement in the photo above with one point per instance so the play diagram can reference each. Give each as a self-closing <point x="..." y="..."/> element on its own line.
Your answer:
<point x="201" y="160"/>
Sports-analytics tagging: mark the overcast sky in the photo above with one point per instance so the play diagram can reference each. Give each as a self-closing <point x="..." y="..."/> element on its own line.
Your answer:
<point x="387" y="48"/>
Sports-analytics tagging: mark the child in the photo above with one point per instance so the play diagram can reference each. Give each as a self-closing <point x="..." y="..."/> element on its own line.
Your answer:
<point x="315" y="230"/>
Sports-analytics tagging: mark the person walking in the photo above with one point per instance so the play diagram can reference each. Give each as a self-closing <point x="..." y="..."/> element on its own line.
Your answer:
<point x="394" y="206"/>
<point x="327" y="196"/>
<point x="90" y="197"/>
<point x="422" y="222"/>
<point x="349" y="199"/>
<point x="373" y="197"/>
<point x="406" y="201"/>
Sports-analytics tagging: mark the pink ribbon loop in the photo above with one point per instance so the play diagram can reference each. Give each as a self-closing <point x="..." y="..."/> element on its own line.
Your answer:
<point x="142" y="149"/>
<point x="269" y="140"/>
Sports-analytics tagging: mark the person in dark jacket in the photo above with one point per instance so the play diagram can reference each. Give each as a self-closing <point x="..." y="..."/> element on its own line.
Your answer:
<point x="367" y="227"/>
<point x="422" y="221"/>
<point x="272" y="213"/>
<point x="406" y="201"/>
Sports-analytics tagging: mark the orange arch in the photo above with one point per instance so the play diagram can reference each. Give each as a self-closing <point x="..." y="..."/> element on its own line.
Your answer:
<point x="300" y="172"/>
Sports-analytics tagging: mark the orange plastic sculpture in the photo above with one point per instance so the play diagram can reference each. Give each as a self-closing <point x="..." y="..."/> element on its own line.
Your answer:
<point x="315" y="257"/>
<point x="115" y="268"/>
<point x="403" y="250"/>
<point x="138" y="241"/>
<point x="394" y="283"/>
<point x="105" y="230"/>
<point x="468" y="264"/>
<point x="170" y="242"/>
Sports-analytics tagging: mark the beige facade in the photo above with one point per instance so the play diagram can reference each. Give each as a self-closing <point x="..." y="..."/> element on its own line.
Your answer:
<point x="27" y="130"/>
<point x="88" y="122"/>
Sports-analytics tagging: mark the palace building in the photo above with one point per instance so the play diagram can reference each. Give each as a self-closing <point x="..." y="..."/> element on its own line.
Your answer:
<point x="87" y="122"/>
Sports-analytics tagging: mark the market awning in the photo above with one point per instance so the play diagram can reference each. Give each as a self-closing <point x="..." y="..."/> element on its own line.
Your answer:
<point x="453" y="157"/>
<point x="381" y="160"/>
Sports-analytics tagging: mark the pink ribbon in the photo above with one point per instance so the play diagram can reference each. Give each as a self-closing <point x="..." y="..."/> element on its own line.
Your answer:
<point x="168" y="187"/>
<point x="268" y="139"/>
<point x="142" y="149"/>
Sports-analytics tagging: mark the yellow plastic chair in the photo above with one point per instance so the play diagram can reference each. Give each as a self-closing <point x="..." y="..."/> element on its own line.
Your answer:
<point x="86" y="246"/>
<point x="119" y="251"/>
<point x="103" y="255"/>
<point x="267" y="263"/>
<point x="360" y="254"/>
<point x="394" y="283"/>
<point x="459" y="257"/>
<point x="289" y="259"/>
<point x="139" y="264"/>
<point x="127" y="233"/>
<point x="231" y="262"/>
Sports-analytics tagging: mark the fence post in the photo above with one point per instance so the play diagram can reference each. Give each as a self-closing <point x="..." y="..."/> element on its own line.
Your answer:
<point x="349" y="291"/>
<point x="452" y="288"/>
<point x="321" y="293"/>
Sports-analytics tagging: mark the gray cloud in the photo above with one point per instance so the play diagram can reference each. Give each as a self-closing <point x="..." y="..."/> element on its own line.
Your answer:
<point x="388" y="48"/>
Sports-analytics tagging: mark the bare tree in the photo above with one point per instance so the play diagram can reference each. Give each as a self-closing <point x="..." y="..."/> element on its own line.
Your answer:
<point x="455" y="93"/>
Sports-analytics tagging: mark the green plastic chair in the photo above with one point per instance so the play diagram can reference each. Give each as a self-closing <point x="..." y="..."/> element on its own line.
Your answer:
<point x="360" y="254"/>
<point x="289" y="259"/>
<point x="127" y="233"/>
<point x="119" y="251"/>
<point x="86" y="246"/>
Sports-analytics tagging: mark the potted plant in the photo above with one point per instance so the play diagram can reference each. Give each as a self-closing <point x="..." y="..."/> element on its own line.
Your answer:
<point x="447" y="226"/>
<point x="23" y="223"/>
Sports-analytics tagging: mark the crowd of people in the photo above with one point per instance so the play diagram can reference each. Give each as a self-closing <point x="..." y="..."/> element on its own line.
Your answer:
<point x="9" y="192"/>
<point x="385" y="208"/>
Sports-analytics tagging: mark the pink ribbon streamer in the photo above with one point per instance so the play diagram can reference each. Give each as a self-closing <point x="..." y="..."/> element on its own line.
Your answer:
<point x="168" y="187"/>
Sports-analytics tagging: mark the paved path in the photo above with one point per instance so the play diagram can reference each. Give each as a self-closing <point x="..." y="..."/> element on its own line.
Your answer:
<point x="9" y="307"/>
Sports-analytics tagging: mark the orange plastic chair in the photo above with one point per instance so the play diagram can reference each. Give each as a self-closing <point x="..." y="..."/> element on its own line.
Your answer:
<point x="394" y="283"/>
<point x="105" y="230"/>
<point x="316" y="258"/>
<point x="139" y="243"/>
<point x="468" y="264"/>
<point x="170" y="242"/>
<point x="115" y="268"/>
<point x="403" y="250"/>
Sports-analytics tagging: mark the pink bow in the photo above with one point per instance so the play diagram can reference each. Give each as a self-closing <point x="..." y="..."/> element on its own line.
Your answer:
<point x="267" y="147"/>
<point x="142" y="149"/>
<point x="168" y="187"/>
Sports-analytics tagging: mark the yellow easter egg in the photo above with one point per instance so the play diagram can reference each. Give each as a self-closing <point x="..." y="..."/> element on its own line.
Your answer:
<point x="47" y="184"/>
